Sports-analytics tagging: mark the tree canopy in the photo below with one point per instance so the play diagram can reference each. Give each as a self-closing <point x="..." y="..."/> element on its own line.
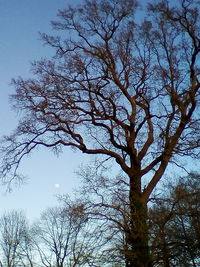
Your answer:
<point x="116" y="88"/>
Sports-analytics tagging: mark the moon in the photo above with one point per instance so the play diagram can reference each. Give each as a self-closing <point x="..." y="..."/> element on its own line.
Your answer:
<point x="56" y="185"/>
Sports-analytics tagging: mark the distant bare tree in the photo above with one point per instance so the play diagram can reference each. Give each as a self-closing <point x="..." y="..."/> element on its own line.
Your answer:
<point x="13" y="237"/>
<point x="123" y="90"/>
<point x="61" y="237"/>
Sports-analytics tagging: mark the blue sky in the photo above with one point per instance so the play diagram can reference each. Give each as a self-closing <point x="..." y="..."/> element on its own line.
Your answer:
<point x="20" y="22"/>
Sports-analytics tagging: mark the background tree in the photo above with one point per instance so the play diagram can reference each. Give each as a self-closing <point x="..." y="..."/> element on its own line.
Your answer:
<point x="175" y="224"/>
<point x="119" y="89"/>
<point x="27" y="252"/>
<point x="13" y="239"/>
<point x="62" y="237"/>
<point x="106" y="203"/>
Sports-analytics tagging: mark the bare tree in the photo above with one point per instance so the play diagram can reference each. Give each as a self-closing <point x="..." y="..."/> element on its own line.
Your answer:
<point x="123" y="90"/>
<point x="175" y="224"/>
<point x="61" y="237"/>
<point x="106" y="203"/>
<point x="26" y="251"/>
<point x="14" y="233"/>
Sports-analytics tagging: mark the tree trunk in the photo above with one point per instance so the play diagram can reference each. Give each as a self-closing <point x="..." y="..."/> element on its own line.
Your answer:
<point x="137" y="254"/>
<point x="166" y="261"/>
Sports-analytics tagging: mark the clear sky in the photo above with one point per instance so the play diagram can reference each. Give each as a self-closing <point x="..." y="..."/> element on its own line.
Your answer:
<point x="20" y="22"/>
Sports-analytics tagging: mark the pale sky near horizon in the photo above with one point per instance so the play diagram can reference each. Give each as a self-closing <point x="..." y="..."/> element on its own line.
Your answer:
<point x="20" y="22"/>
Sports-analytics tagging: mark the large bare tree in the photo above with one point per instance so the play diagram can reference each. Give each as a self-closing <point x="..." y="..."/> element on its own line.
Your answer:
<point x="118" y="88"/>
